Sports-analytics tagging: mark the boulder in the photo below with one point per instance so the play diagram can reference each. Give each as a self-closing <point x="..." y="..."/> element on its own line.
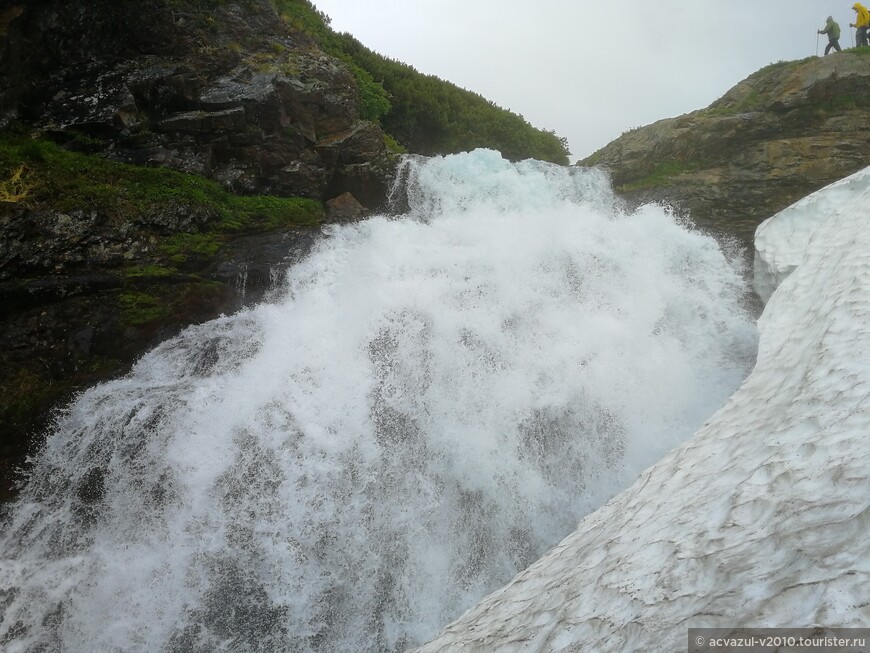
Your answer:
<point x="344" y="208"/>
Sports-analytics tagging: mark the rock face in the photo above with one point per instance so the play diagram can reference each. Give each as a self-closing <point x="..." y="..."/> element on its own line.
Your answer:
<point x="760" y="519"/>
<point x="227" y="91"/>
<point x="785" y="131"/>
<point x="89" y="296"/>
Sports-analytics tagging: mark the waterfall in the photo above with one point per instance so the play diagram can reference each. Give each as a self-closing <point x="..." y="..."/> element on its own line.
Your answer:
<point x="430" y="402"/>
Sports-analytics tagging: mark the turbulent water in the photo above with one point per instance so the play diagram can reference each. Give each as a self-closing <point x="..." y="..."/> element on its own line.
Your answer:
<point x="426" y="406"/>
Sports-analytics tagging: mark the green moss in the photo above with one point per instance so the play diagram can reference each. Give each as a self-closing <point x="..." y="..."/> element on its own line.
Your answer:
<point x="181" y="246"/>
<point x="266" y="212"/>
<point x="660" y="176"/>
<point x="148" y="271"/>
<point x="64" y="181"/>
<point x="157" y="304"/>
<point x="138" y="308"/>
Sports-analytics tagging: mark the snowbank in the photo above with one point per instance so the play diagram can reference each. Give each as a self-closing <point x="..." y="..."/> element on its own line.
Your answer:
<point x="781" y="241"/>
<point x="762" y="518"/>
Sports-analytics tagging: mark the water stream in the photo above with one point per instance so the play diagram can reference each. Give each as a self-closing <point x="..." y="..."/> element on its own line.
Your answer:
<point x="429" y="403"/>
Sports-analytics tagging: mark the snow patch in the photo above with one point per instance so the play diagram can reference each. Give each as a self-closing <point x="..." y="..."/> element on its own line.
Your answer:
<point x="780" y="241"/>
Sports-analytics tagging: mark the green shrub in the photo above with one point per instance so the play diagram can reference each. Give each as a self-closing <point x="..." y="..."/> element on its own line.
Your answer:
<point x="424" y="113"/>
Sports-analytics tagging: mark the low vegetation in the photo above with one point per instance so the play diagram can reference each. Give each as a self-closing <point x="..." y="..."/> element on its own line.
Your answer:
<point x="422" y="112"/>
<point x="42" y="174"/>
<point x="660" y="176"/>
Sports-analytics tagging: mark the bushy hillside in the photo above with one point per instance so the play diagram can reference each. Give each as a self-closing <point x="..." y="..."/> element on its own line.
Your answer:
<point x="427" y="115"/>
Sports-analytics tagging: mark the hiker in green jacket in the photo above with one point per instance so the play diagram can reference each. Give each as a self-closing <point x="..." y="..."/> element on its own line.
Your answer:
<point x="832" y="29"/>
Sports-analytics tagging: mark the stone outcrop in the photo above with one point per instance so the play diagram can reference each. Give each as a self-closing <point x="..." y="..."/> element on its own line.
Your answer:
<point x="784" y="132"/>
<point x="229" y="92"/>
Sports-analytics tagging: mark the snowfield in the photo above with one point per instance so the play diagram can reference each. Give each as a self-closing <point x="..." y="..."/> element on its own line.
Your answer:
<point x="761" y="519"/>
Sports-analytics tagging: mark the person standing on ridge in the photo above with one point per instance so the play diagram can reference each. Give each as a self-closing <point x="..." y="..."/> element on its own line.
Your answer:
<point x="832" y="29"/>
<point x="862" y="22"/>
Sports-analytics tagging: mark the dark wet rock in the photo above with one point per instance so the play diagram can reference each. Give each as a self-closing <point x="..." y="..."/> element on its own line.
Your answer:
<point x="81" y="297"/>
<point x="344" y="208"/>
<point x="256" y="264"/>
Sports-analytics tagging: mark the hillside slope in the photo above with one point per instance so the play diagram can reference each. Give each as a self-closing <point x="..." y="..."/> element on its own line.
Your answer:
<point x="784" y="132"/>
<point x="227" y="91"/>
<point x="260" y="95"/>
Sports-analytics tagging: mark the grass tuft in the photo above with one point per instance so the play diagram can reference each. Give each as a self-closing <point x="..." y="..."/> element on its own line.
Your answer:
<point x="15" y="189"/>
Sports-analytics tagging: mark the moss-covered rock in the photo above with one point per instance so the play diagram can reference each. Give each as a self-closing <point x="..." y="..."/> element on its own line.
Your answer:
<point x="86" y="290"/>
<point x="782" y="133"/>
<point x="230" y="91"/>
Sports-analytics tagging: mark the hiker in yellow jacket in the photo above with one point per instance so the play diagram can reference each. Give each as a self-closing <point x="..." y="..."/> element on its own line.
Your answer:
<point x="862" y="22"/>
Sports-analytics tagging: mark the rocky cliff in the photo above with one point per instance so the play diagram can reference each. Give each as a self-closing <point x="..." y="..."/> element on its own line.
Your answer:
<point x="785" y="131"/>
<point x="229" y="91"/>
<point x="104" y="250"/>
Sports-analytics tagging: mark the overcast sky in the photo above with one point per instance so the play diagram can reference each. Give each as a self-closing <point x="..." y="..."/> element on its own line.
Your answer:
<point x="591" y="69"/>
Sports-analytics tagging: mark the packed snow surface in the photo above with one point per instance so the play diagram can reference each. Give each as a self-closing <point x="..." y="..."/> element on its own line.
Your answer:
<point x="781" y="241"/>
<point x="761" y="519"/>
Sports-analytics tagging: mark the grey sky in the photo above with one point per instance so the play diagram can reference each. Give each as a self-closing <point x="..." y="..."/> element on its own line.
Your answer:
<point x="591" y="69"/>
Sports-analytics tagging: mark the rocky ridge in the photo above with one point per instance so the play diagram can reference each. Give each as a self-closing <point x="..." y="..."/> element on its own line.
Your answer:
<point x="782" y="133"/>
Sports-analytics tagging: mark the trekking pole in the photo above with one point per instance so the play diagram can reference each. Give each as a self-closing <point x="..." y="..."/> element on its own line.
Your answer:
<point x="852" y="36"/>
<point x="817" y="44"/>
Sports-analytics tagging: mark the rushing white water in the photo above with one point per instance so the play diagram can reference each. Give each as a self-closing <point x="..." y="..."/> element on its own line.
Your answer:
<point x="430" y="404"/>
